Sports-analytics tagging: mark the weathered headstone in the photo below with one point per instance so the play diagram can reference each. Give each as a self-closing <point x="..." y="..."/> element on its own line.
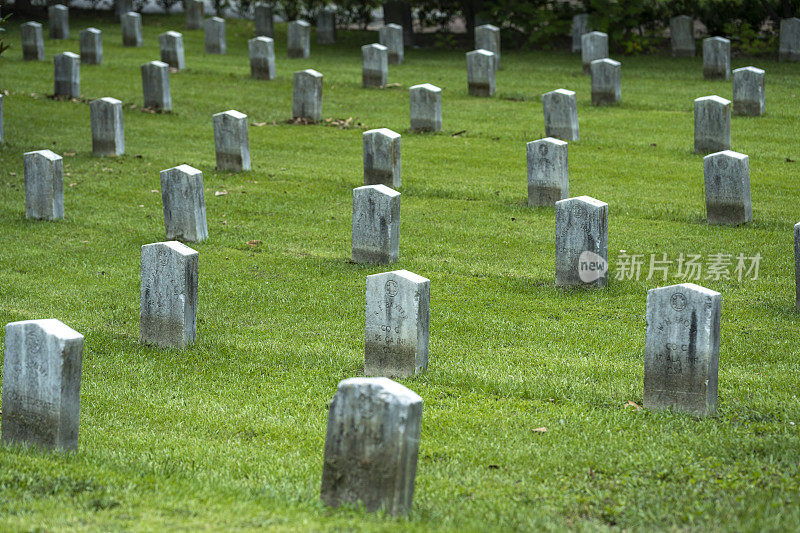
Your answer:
<point x="580" y="25"/>
<point x="382" y="157"/>
<point x="374" y="65"/>
<point x="487" y="37"/>
<point x="108" y="137"/>
<point x="91" y="46"/>
<point x="712" y="124"/>
<point x="67" y="75"/>
<point x="299" y="39"/>
<point x="32" y="41"/>
<point x="606" y="81"/>
<point x="184" y="204"/>
<point x="194" y="14"/>
<point x="399" y="12"/>
<point x="168" y="313"/>
<point x="155" y="86"/>
<point x="681" y="33"/>
<point x="797" y="265"/>
<point x="716" y="58"/>
<point x="681" y="354"/>
<point x="131" y="29"/>
<point x="44" y="186"/>
<point x="121" y="7"/>
<point x="171" y="46"/>
<point x="307" y="95"/>
<point x="215" y="35"/>
<point x="58" y="21"/>
<point x="581" y="242"/>
<point x="749" y="95"/>
<point x="263" y="23"/>
<point x="561" y="115"/>
<point x="727" y="179"/>
<point x="326" y="26"/>
<point x="231" y="141"/>
<point x="480" y="73"/>
<point x="594" y="45"/>
<point x="262" y="58"/>
<point x="42" y="384"/>
<point x="548" y="172"/>
<point x="391" y="36"/>
<point x="376" y="225"/>
<point x="426" y="107"/>
<point x="789" y="47"/>
<point x="371" y="445"/>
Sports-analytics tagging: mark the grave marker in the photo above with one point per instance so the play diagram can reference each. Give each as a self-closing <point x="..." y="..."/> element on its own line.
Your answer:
<point x="326" y="26"/>
<point x="262" y="58"/>
<point x="426" y="107"/>
<point x="155" y="86"/>
<point x="263" y="21"/>
<point x="44" y="187"/>
<point x="581" y="242"/>
<point x="548" y="172"/>
<point x="382" y="157"/>
<point x="480" y="73"/>
<point x="171" y="47"/>
<point x="376" y="225"/>
<point x="184" y="204"/>
<point x="712" y="124"/>
<point x="32" y="41"/>
<point x="716" y="58"/>
<point x="67" y="75"/>
<point x="299" y="39"/>
<point x="91" y="40"/>
<point x="580" y="25"/>
<point x="231" y="141"/>
<point x="789" y="47"/>
<point x="561" y="115"/>
<point x="594" y="45"/>
<point x="307" y="95"/>
<point x="215" y="35"/>
<point x="374" y="65"/>
<point x="194" y="14"/>
<point x="58" y="21"/>
<point x="121" y="7"/>
<point x="606" y="81"/>
<point x="108" y="136"/>
<point x="391" y="36"/>
<point x="749" y="94"/>
<point x="727" y="183"/>
<point x="487" y="37"/>
<point x="797" y="265"/>
<point x="131" y="29"/>
<point x="681" y="32"/>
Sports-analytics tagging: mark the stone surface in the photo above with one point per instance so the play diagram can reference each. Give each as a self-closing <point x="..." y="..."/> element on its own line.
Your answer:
<point x="716" y="58"/>
<point x="382" y="157"/>
<point x="594" y="45"/>
<point x="797" y="264"/>
<point x="391" y="36"/>
<point x="561" y="115"/>
<point x="298" y="39"/>
<point x="371" y="445"/>
<point x="397" y="324"/>
<point x="681" y="354"/>
<point x="262" y="58"/>
<point x="42" y="384"/>
<point x="307" y="95"/>
<point x="32" y="41"/>
<point x="727" y="180"/>
<point x="214" y="28"/>
<point x="376" y="225"/>
<point x="487" y="37"/>
<point x="67" y="75"/>
<point x="168" y="313"/>
<point x="155" y="86"/>
<point x="121" y="7"/>
<point x="194" y="14"/>
<point x="480" y="73"/>
<point x="326" y="26"/>
<point x="374" y="65"/>
<point x="606" y="81"/>
<point x="681" y="34"/>
<point x="548" y="172"/>
<point x="184" y="204"/>
<point x="712" y="124"/>
<point x="789" y="46"/>
<point x="399" y="12"/>
<point x="426" y="107"/>
<point x="131" y="29"/>
<point x="58" y="21"/>
<point x="171" y="46"/>
<point x="91" y="40"/>
<point x="231" y="141"/>
<point x="580" y="25"/>
<point x="44" y="187"/>
<point x="749" y="94"/>
<point x="263" y="21"/>
<point x="581" y="242"/>
<point x="108" y="137"/>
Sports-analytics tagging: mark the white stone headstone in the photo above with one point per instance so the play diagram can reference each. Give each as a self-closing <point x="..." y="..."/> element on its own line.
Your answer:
<point x="681" y="32"/>
<point x="580" y="25"/>
<point x="194" y="14"/>
<point x="108" y="137"/>
<point x="58" y="21"/>
<point x="426" y="107"/>
<point x="91" y="40"/>
<point x="155" y="86"/>
<point x="374" y="65"/>
<point x="376" y="225"/>
<point x="480" y="73"/>
<point x="727" y="184"/>
<point x="581" y="242"/>
<point x="749" y="92"/>
<point x="487" y="37"/>
<point x="171" y="47"/>
<point x="44" y="186"/>
<point x="262" y="58"/>
<point x="215" y="35"/>
<point x="391" y="36"/>
<point x="716" y="58"/>
<point x="594" y="45"/>
<point x="326" y="26"/>
<point x="561" y="115"/>
<point x="184" y="204"/>
<point x="262" y="14"/>
<point x="299" y="39"/>
<point x="548" y="172"/>
<point x="307" y="95"/>
<point x="231" y="141"/>
<point x="382" y="157"/>
<point x="789" y="46"/>
<point x="131" y="29"/>
<point x="606" y="81"/>
<point x="67" y="75"/>
<point x="32" y="41"/>
<point x="712" y="124"/>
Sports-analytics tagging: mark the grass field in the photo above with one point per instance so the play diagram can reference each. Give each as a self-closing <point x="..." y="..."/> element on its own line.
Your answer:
<point x="229" y="433"/>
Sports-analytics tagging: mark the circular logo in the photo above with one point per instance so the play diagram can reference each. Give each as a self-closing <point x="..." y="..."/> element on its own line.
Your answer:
<point x="543" y="149"/>
<point x="678" y="301"/>
<point x="578" y="211"/>
<point x="163" y="257"/>
<point x="33" y="342"/>
<point x="391" y="287"/>
<point x="722" y="163"/>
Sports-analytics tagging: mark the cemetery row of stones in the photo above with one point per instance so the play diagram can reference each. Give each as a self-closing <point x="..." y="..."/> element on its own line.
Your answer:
<point x="374" y="423"/>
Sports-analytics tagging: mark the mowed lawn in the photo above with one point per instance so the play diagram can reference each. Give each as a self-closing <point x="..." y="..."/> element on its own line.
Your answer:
<point x="228" y="434"/>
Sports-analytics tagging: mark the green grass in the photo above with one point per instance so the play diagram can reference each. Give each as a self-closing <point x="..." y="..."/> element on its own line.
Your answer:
<point x="229" y="433"/>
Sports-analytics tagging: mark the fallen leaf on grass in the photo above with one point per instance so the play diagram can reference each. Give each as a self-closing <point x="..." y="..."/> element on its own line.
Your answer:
<point x="392" y="85"/>
<point x="258" y="123"/>
<point x="220" y="193"/>
<point x="13" y="173"/>
<point x="634" y="405"/>
<point x="153" y="190"/>
<point x="69" y="153"/>
<point x="72" y="184"/>
<point x="253" y="243"/>
<point x="540" y="430"/>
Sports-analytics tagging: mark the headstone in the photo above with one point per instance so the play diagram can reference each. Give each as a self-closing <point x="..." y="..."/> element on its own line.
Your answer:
<point x="263" y="21"/>
<point x="42" y="384"/>
<point x="194" y="14"/>
<point x="716" y="58"/>
<point x="561" y="115"/>
<point x="749" y="92"/>
<point x="487" y="37"/>
<point x="307" y="95"/>
<point x="67" y="75"/>
<point x="44" y="186"/>
<point x="121" y="7"/>
<point x="594" y="45"/>
<point x="580" y="25"/>
<point x="382" y="157"/>
<point x="371" y="445"/>
<point x="376" y="225"/>
<point x="91" y="46"/>
<point x="262" y="58"/>
<point x="391" y="36"/>
<point x="681" y="354"/>
<point x="155" y="86"/>
<point x="712" y="124"/>
<point x="131" y="29"/>
<point x="215" y="35"/>
<point x="231" y="141"/>
<point x="397" y="324"/>
<point x="171" y="45"/>
<point x="184" y="204"/>
<point x="399" y="12"/>
<point x="2" y="139"/>
<point x="789" y="47"/>
<point x="374" y="65"/>
<point x="727" y="179"/>
<point x="168" y="314"/>
<point x="581" y="242"/>
<point x="681" y="33"/>
<point x="480" y="73"/>
<point x="797" y="265"/>
<point x="108" y="137"/>
<point x="326" y="26"/>
<point x="426" y="107"/>
<point x="32" y="41"/>
<point x="299" y="39"/>
<point x="606" y="81"/>
<point x="548" y="172"/>
<point x="58" y="21"/>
